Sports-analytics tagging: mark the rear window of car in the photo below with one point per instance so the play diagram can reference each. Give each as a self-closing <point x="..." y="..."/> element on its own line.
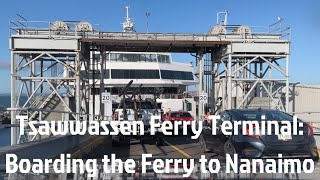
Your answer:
<point x="269" y="115"/>
<point x="180" y="115"/>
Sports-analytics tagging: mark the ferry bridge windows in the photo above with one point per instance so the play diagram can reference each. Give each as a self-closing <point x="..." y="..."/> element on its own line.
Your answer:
<point x="143" y="57"/>
<point x="116" y="57"/>
<point x="139" y="74"/>
<point x="128" y="57"/>
<point x="181" y="75"/>
<point x="139" y="57"/>
<point x="135" y="57"/>
<point x="145" y="90"/>
<point x="163" y="58"/>
<point x="134" y="74"/>
<point x="153" y="58"/>
<point x="188" y="76"/>
<point x="150" y="58"/>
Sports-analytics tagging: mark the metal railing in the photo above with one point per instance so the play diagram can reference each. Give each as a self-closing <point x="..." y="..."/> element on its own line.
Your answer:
<point x="45" y="28"/>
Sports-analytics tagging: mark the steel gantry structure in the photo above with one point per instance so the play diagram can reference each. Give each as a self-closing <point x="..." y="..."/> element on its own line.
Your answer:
<point x="251" y="71"/>
<point x="53" y="66"/>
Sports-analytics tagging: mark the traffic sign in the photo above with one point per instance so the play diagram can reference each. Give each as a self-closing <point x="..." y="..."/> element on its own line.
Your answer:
<point x="105" y="97"/>
<point x="203" y="97"/>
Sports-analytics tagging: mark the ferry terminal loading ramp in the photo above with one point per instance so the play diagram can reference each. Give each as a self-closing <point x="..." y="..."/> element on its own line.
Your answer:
<point x="77" y="44"/>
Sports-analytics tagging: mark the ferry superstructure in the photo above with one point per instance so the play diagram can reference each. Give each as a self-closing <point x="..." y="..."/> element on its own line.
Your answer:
<point x="155" y="71"/>
<point x="149" y="69"/>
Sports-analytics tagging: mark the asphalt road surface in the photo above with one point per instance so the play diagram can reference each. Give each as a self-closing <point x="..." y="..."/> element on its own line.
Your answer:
<point x="174" y="147"/>
<point x="180" y="147"/>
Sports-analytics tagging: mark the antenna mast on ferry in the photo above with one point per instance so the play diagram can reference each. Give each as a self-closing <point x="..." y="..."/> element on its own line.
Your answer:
<point x="128" y="25"/>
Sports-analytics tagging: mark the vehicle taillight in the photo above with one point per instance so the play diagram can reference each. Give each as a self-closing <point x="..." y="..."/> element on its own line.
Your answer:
<point x="310" y="130"/>
<point x="115" y="116"/>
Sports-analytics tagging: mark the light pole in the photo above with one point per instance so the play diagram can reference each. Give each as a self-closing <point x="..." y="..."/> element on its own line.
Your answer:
<point x="147" y="15"/>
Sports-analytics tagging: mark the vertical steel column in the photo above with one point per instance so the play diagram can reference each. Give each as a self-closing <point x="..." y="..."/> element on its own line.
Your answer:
<point x="256" y="77"/>
<point x="102" y="71"/>
<point x="33" y="73"/>
<point x="229" y="85"/>
<point x="41" y="74"/>
<point x="287" y="83"/>
<point x="237" y="76"/>
<point x="93" y="92"/>
<point x="201" y="64"/>
<point x="14" y="130"/>
<point x="261" y="77"/>
<point x="213" y="80"/>
<point x="78" y="100"/>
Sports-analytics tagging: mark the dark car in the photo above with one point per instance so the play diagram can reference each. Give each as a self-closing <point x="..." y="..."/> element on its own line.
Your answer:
<point x="259" y="146"/>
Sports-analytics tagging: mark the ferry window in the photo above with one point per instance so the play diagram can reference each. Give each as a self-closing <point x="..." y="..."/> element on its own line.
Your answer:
<point x="127" y="57"/>
<point x="181" y="75"/>
<point x="115" y="57"/>
<point x="117" y="74"/>
<point x="148" y="58"/>
<point x="189" y="76"/>
<point x="147" y="74"/>
<point x="131" y="57"/>
<point x="136" y="57"/>
<point x="177" y="74"/>
<point x="128" y="74"/>
<point x="120" y="57"/>
<point x="163" y="58"/>
<point x="160" y="58"/>
<point x="167" y="59"/>
<point x="165" y="74"/>
<point x="153" y="58"/>
<point x="134" y="74"/>
<point x="142" y="57"/>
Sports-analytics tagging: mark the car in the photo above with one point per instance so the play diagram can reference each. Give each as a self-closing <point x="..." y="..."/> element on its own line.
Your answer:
<point x="137" y="111"/>
<point x="173" y="116"/>
<point x="259" y="146"/>
<point x="178" y="116"/>
<point x="144" y="108"/>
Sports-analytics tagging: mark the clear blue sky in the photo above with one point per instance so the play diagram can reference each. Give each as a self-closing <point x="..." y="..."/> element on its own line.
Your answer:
<point x="184" y="16"/>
